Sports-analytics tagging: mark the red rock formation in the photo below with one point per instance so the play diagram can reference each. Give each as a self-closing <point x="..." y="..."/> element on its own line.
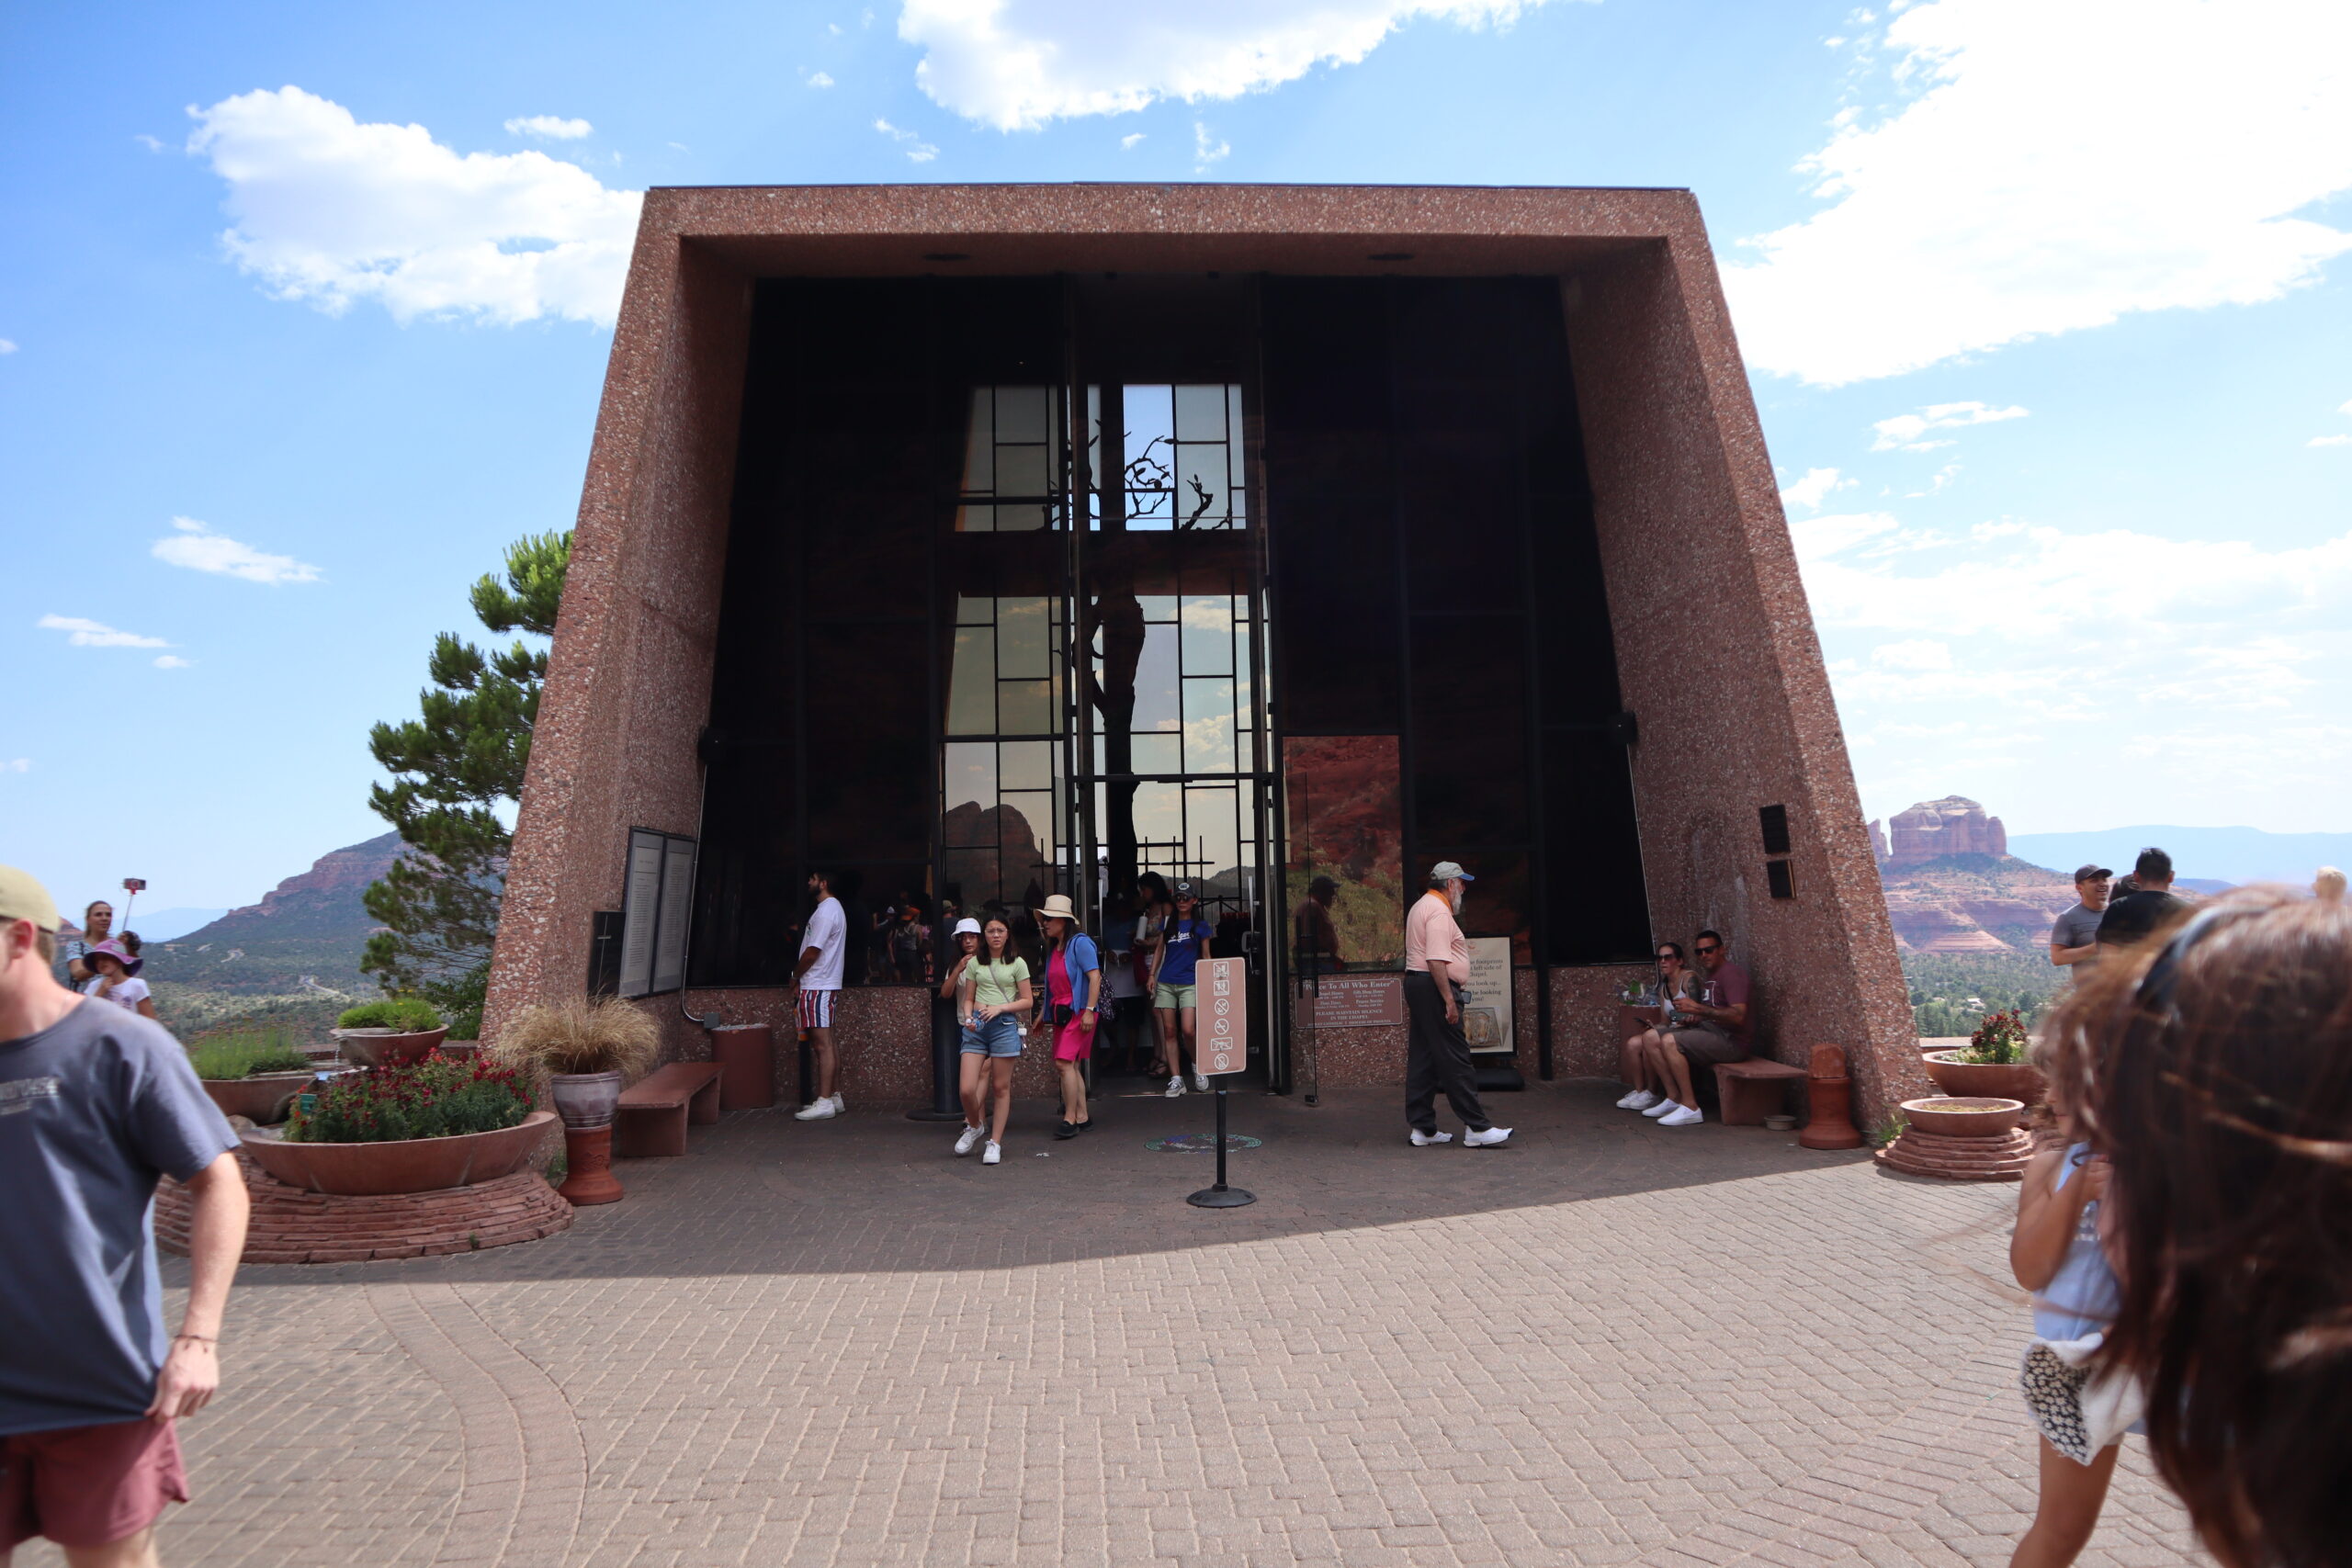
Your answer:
<point x="1934" y="828"/>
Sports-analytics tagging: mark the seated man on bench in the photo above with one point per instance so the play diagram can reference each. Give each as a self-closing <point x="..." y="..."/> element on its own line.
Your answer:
<point x="1701" y="1031"/>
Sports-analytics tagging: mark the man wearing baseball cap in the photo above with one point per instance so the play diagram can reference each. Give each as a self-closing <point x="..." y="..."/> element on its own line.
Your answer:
<point x="1437" y="969"/>
<point x="2073" y="938"/>
<point x="96" y="1104"/>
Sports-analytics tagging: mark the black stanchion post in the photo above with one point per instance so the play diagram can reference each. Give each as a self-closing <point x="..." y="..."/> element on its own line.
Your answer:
<point x="1221" y="1196"/>
<point x="945" y="1102"/>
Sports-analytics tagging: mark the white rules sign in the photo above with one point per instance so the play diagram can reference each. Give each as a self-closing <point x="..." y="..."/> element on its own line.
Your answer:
<point x="1224" y="1043"/>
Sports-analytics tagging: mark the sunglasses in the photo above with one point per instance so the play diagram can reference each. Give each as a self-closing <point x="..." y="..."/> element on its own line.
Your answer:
<point x="1704" y="951"/>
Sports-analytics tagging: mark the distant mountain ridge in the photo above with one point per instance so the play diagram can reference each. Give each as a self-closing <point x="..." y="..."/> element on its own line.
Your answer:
<point x="304" y="937"/>
<point x="2222" y="854"/>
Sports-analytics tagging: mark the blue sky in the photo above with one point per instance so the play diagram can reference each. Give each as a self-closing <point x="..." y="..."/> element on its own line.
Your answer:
<point x="2047" y="306"/>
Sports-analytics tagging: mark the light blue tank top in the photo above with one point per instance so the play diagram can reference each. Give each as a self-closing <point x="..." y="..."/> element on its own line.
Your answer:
<point x="2084" y="1295"/>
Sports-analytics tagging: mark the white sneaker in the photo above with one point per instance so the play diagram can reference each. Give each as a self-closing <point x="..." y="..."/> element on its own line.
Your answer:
<point x="1639" y="1099"/>
<point x="1682" y="1116"/>
<point x="1200" y="1081"/>
<point x="840" y="1106"/>
<point x="1491" y="1138"/>
<point x="816" y="1111"/>
<point x="1175" y="1089"/>
<point x="993" y="1154"/>
<point x="968" y="1140"/>
<point x="1663" y="1108"/>
<point x="1423" y="1140"/>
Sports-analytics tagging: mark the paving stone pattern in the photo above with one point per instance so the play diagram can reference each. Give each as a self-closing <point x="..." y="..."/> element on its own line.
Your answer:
<point x="834" y="1344"/>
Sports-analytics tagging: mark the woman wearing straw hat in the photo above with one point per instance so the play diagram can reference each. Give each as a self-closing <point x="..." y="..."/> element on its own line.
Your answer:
<point x="990" y="983"/>
<point x="1073" y="1003"/>
<point x="114" y="971"/>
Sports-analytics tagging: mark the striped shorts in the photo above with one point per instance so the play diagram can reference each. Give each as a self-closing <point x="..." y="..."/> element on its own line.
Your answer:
<point x="816" y="1010"/>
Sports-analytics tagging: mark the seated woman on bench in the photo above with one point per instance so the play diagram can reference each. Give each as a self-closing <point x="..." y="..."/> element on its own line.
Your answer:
<point x="1703" y="1030"/>
<point x="1675" y="978"/>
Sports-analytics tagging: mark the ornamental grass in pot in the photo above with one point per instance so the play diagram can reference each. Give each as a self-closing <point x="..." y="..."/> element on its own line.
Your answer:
<point x="588" y="1047"/>
<point x="252" y="1073"/>
<point x="1992" y="1066"/>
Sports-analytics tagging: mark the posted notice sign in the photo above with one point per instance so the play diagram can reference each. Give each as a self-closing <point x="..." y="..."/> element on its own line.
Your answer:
<point x="1223" y="1040"/>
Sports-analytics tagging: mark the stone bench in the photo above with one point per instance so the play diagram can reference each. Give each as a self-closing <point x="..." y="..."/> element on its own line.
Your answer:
<point x="1753" y="1090"/>
<point x="653" y="1114"/>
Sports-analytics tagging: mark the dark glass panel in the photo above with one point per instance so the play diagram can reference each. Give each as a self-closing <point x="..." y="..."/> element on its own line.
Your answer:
<point x="1469" y="752"/>
<point x="748" y="882"/>
<point x="1596" y="911"/>
<point x="1500" y="901"/>
<point x="1458" y="494"/>
<point x="869" y="780"/>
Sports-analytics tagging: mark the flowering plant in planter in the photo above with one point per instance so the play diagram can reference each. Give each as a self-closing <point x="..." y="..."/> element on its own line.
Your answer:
<point x="1999" y="1042"/>
<point x="437" y="1097"/>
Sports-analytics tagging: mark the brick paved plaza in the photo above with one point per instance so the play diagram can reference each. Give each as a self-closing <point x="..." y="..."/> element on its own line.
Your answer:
<point x="832" y="1343"/>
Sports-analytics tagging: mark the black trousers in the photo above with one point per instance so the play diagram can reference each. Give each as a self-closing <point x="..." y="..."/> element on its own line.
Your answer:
<point x="1438" y="1057"/>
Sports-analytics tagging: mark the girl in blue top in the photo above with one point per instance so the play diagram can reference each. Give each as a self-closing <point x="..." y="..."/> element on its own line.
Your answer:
<point x="2056" y="1254"/>
<point x="1184" y="942"/>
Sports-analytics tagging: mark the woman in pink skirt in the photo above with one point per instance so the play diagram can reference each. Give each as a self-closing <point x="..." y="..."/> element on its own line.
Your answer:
<point x="1073" y="1003"/>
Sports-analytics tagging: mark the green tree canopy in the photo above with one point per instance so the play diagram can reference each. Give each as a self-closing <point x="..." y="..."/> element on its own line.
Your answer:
<point x="456" y="772"/>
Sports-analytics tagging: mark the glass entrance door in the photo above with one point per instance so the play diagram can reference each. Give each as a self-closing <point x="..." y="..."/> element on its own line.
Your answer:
<point x="1169" y="755"/>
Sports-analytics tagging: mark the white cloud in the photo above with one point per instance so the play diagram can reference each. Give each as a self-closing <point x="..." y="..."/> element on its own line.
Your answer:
<point x="153" y="144"/>
<point x="2227" y="666"/>
<point x="16" y="765"/>
<point x="918" y="150"/>
<point x="174" y="661"/>
<point x="548" y="127"/>
<point x="821" y="80"/>
<point x="2058" y="163"/>
<point x="94" y="633"/>
<point x="331" y="211"/>
<point x="1916" y="653"/>
<point x="7" y="345"/>
<point x="2329" y="441"/>
<point x="1014" y="64"/>
<point x="1205" y="150"/>
<point x="1127" y="143"/>
<point x="1906" y="429"/>
<point x="1816" y="487"/>
<point x="1818" y="537"/>
<point x="198" y="548"/>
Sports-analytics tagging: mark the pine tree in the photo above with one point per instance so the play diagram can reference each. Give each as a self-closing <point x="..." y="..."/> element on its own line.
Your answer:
<point x="454" y="767"/>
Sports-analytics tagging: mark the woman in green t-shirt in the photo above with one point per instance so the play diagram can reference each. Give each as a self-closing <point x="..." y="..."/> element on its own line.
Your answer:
<point x="990" y="984"/>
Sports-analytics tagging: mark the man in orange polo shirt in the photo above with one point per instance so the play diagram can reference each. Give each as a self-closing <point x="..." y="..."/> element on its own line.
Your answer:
<point x="1437" y="974"/>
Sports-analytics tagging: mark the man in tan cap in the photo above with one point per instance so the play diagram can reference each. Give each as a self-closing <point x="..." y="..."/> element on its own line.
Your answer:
<point x="96" y="1104"/>
<point x="1437" y="973"/>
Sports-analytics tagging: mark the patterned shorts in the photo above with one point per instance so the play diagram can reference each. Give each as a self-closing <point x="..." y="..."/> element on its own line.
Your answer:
<point x="816" y="1010"/>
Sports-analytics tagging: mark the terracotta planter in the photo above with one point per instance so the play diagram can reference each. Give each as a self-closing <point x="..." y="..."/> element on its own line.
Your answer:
<point x="413" y="1165"/>
<point x="387" y="1047"/>
<point x="1946" y="1116"/>
<point x="588" y="1166"/>
<point x="1985" y="1080"/>
<point x="586" y="1100"/>
<point x="262" y="1097"/>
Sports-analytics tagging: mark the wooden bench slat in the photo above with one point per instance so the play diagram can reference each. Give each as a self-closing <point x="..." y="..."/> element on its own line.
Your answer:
<point x="1758" y="1067"/>
<point x="669" y="1087"/>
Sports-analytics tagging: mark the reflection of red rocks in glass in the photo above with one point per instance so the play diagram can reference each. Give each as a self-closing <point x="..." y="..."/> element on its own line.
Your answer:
<point x="1346" y="817"/>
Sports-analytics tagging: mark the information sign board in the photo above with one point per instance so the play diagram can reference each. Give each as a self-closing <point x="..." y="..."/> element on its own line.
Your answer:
<point x="1486" y="1020"/>
<point x="1223" y="1040"/>
<point x="1352" y="1001"/>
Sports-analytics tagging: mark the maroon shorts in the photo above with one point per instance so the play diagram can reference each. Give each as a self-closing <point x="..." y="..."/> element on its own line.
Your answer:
<point x="84" y="1486"/>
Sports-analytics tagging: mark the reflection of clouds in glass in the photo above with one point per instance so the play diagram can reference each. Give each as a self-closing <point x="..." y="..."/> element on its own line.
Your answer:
<point x="1157" y="702"/>
<point x="1208" y="725"/>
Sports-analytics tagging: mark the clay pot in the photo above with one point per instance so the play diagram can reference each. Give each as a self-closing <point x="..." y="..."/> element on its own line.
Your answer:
<point x="410" y="1165"/>
<point x="586" y="1100"/>
<point x="387" y="1047"/>
<point x="262" y="1098"/>
<point x="588" y="1165"/>
<point x="1985" y="1080"/>
<point x="1945" y="1116"/>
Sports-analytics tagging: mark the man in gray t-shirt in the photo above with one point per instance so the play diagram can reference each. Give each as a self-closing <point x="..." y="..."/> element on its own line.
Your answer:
<point x="96" y="1104"/>
<point x="2073" y="940"/>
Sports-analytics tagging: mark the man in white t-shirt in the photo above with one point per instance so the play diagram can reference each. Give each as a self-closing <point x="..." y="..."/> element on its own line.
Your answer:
<point x="822" y="949"/>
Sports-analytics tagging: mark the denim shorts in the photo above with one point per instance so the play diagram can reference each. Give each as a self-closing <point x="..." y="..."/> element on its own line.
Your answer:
<point x="998" y="1036"/>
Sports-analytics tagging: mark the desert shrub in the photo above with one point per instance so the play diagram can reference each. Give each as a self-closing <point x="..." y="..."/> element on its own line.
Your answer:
<point x="405" y="1013"/>
<point x="581" y="1035"/>
<point x="2000" y="1041"/>
<point x="245" y="1053"/>
<point x="439" y="1097"/>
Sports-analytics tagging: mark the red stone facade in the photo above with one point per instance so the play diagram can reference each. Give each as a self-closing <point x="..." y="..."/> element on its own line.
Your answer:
<point x="1676" y="455"/>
